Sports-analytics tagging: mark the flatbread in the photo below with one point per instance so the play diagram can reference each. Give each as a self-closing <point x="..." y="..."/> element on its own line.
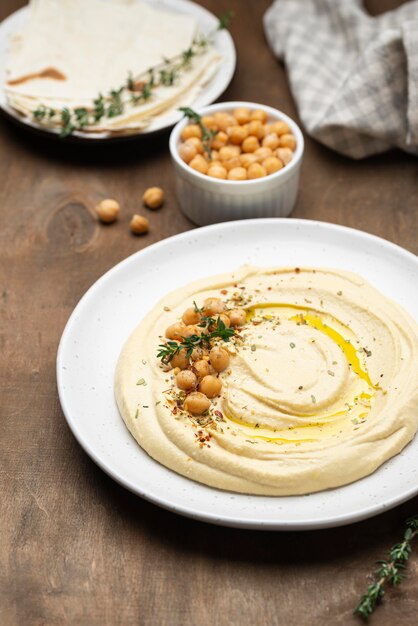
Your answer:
<point x="91" y="47"/>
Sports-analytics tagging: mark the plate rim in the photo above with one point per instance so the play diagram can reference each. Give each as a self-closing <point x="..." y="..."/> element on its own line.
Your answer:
<point x="226" y="519"/>
<point x="91" y="138"/>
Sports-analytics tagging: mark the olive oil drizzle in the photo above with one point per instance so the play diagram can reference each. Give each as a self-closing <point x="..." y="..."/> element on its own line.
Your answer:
<point x="311" y="317"/>
<point x="348" y="349"/>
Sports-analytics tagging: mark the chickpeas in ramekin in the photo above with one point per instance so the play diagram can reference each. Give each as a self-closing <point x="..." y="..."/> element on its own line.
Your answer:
<point x="244" y="145"/>
<point x="251" y="168"/>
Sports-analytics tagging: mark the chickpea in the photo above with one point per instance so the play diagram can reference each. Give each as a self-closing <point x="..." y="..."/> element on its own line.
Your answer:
<point x="191" y="316"/>
<point x="175" y="331"/>
<point x="268" y="128"/>
<point x="180" y="360"/>
<point x="237" y="173"/>
<point x="247" y="159"/>
<point x="219" y="359"/>
<point x="231" y="164"/>
<point x="210" y="122"/>
<point x="236" y="150"/>
<point x="108" y="211"/>
<point x="187" y="152"/>
<point x="153" y="197"/>
<point x="197" y="354"/>
<point x="139" y="224"/>
<point x="192" y="330"/>
<point x="224" y="120"/>
<point x="260" y="115"/>
<point x="250" y="144"/>
<point x="196" y="403"/>
<point x="263" y="153"/>
<point x="256" y="129"/>
<point x="288" y="141"/>
<point x="237" y="317"/>
<point x="272" y="164"/>
<point x="271" y="141"/>
<point x="219" y="140"/>
<point x="215" y="155"/>
<point x="199" y="164"/>
<point x="256" y="171"/>
<point x="285" y="155"/>
<point x="191" y="130"/>
<point x="213" y="306"/>
<point x="217" y="171"/>
<point x="186" y="380"/>
<point x="280" y="128"/>
<point x="195" y="141"/>
<point x="211" y="386"/>
<point x="201" y="368"/>
<point x="228" y="152"/>
<point x="242" y="115"/>
<point x="224" y="318"/>
<point x="237" y="134"/>
<point x="215" y="163"/>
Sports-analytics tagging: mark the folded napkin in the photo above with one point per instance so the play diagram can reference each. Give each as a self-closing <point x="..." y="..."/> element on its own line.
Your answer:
<point x="354" y="77"/>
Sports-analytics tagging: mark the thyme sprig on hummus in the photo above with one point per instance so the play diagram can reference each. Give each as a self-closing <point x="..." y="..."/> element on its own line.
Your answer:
<point x="194" y="348"/>
<point x="136" y="90"/>
<point x="169" y="349"/>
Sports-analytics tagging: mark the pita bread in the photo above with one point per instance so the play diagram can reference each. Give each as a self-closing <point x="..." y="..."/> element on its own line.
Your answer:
<point x="70" y="51"/>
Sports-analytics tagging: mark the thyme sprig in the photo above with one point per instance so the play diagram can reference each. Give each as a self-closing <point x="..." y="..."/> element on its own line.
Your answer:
<point x="225" y="20"/>
<point x="391" y="571"/>
<point x="135" y="90"/>
<point x="207" y="134"/>
<point x="213" y="329"/>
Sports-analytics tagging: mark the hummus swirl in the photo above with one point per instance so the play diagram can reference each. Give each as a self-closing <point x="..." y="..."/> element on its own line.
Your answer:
<point x="320" y="391"/>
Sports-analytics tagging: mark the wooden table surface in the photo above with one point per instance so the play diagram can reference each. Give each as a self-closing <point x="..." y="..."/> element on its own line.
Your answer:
<point x="76" y="548"/>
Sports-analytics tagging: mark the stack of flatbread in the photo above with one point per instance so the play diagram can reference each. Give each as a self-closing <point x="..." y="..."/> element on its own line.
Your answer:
<point x="70" y="51"/>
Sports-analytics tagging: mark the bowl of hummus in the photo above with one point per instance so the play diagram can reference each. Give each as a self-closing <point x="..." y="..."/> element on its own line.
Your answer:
<point x="272" y="381"/>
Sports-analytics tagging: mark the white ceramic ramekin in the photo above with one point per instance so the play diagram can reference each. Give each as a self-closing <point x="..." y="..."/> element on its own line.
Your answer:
<point x="207" y="200"/>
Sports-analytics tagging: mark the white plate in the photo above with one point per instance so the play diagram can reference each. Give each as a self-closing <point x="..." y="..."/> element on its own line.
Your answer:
<point x="223" y="43"/>
<point x="114" y="305"/>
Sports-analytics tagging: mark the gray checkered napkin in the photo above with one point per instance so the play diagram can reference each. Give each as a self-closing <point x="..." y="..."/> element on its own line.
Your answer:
<point x="354" y="77"/>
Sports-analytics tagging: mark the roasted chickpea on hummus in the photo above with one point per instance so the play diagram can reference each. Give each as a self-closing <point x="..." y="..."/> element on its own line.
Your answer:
<point x="272" y="381"/>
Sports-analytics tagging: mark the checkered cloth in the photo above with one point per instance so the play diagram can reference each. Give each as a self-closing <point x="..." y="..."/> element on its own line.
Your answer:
<point x="354" y="77"/>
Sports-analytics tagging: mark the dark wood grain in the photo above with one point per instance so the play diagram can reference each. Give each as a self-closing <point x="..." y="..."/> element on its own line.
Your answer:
<point x="75" y="548"/>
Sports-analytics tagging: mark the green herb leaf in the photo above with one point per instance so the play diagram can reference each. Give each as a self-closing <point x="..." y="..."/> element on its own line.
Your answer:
<point x="207" y="134"/>
<point x="225" y="20"/>
<point x="213" y="329"/>
<point x="82" y="116"/>
<point x="99" y="108"/>
<point x="67" y="124"/>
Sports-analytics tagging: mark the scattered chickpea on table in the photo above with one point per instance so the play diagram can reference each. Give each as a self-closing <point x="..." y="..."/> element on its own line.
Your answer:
<point x="245" y="145"/>
<point x="108" y="210"/>
<point x="153" y="197"/>
<point x="139" y="224"/>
